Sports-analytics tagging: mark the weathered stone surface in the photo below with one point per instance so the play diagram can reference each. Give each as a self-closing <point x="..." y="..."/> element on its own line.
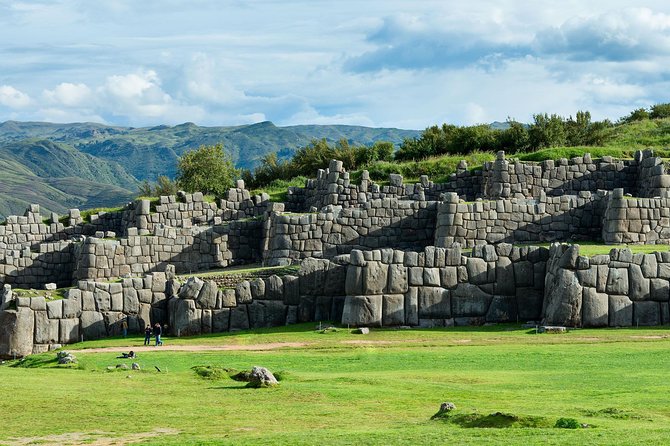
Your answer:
<point x="431" y="277"/>
<point x="362" y="311"/>
<point x="502" y="309"/>
<point x="449" y="277"/>
<point x="257" y="287"/>
<point x="375" y="277"/>
<point x="46" y="330"/>
<point x="505" y="283"/>
<point x="68" y="331"/>
<point x="354" y="280"/>
<point x="323" y="305"/>
<point x="239" y="318"/>
<point x="131" y="302"/>
<point x="563" y="299"/>
<point x="92" y="325"/>
<point x="617" y="281"/>
<point x="594" y="308"/>
<point x="227" y="297"/>
<point x="191" y="288"/>
<point x="274" y="288"/>
<point x="523" y="274"/>
<point x="620" y="311"/>
<point x="103" y="301"/>
<point x="412" y="306"/>
<point x="469" y="300"/>
<point x="261" y="377"/>
<point x="638" y="288"/>
<point x="185" y="318"/>
<point x="659" y="290"/>
<point x="529" y="304"/>
<point x="243" y="293"/>
<point x="397" y="279"/>
<point x="55" y="309"/>
<point x="647" y="313"/>
<point x="220" y="320"/>
<point x="393" y="309"/>
<point x="291" y="290"/>
<point x="477" y="271"/>
<point x="16" y="332"/>
<point x="267" y="313"/>
<point x="434" y="303"/>
<point x="207" y="296"/>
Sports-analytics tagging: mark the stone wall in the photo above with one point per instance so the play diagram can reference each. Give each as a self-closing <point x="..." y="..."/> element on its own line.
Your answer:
<point x="519" y="220"/>
<point x="636" y="220"/>
<point x="197" y="248"/>
<point x="387" y="222"/>
<point x="92" y="310"/>
<point x="442" y="287"/>
<point x="617" y="290"/>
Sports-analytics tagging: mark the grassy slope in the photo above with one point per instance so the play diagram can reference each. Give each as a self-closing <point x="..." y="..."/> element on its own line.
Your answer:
<point x="336" y="392"/>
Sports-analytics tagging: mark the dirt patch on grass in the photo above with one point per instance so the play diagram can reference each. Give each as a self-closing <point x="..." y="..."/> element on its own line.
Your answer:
<point x="651" y="337"/>
<point x="196" y="348"/>
<point x="90" y="438"/>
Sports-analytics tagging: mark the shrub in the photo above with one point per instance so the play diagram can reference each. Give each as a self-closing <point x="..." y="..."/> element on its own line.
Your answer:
<point x="567" y="423"/>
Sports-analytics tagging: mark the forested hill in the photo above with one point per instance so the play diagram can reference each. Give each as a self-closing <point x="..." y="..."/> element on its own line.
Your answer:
<point x="85" y="165"/>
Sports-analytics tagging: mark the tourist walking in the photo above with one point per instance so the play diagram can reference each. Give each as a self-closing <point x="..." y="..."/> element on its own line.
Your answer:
<point x="124" y="327"/>
<point x="158" y="331"/>
<point x="147" y="335"/>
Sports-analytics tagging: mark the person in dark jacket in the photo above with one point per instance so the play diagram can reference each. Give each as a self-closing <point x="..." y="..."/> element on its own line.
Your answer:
<point x="147" y="335"/>
<point x="158" y="331"/>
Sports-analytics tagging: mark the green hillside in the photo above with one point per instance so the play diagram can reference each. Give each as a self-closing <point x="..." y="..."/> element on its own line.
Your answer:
<point x="61" y="166"/>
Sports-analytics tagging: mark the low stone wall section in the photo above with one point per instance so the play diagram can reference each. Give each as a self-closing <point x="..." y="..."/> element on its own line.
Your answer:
<point x="387" y="222"/>
<point x="519" y="220"/>
<point x="92" y="310"/>
<point x="442" y="287"/>
<point x="636" y="220"/>
<point x="617" y="290"/>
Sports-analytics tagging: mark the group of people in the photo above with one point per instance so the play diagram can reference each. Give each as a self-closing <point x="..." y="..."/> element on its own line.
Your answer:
<point x="157" y="331"/>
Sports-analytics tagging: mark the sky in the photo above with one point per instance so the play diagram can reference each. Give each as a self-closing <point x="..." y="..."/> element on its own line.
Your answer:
<point x="405" y="64"/>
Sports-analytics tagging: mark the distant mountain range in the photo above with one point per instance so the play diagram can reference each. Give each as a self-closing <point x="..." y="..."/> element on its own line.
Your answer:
<point x="85" y="165"/>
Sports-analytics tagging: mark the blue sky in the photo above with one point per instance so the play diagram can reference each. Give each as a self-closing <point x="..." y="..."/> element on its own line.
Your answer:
<point x="405" y="64"/>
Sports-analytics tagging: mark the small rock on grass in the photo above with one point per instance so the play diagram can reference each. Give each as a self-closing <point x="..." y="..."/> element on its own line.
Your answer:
<point x="362" y="330"/>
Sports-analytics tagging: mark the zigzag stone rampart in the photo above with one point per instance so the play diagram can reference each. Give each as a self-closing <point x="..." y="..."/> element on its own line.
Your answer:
<point x="371" y="255"/>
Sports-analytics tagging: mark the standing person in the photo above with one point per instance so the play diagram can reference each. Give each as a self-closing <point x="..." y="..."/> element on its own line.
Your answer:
<point x="147" y="335"/>
<point x="124" y="327"/>
<point x="158" y="331"/>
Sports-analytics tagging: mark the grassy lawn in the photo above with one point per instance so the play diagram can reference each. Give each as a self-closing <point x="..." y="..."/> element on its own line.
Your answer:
<point x="341" y="388"/>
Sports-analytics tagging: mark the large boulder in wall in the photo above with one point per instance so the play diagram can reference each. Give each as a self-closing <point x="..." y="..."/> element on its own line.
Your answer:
<point x="185" y="318"/>
<point x="434" y="303"/>
<point x="92" y="325"/>
<point x="469" y="300"/>
<point x="207" y="295"/>
<point x="647" y="313"/>
<point x="595" y="308"/>
<point x="16" y="332"/>
<point x="563" y="299"/>
<point x="267" y="313"/>
<point x="362" y="311"/>
<point x="502" y="309"/>
<point x="620" y="311"/>
<point x="393" y="309"/>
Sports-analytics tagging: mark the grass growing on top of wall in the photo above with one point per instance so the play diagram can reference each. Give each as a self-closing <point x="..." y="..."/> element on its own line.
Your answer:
<point x="47" y="294"/>
<point x="339" y="388"/>
<point x="590" y="249"/>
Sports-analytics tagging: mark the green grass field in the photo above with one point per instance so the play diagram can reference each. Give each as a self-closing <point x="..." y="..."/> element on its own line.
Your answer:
<point x="339" y="388"/>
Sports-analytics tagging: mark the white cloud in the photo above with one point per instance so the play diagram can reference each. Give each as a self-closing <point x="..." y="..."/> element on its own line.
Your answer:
<point x="13" y="98"/>
<point x="70" y="95"/>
